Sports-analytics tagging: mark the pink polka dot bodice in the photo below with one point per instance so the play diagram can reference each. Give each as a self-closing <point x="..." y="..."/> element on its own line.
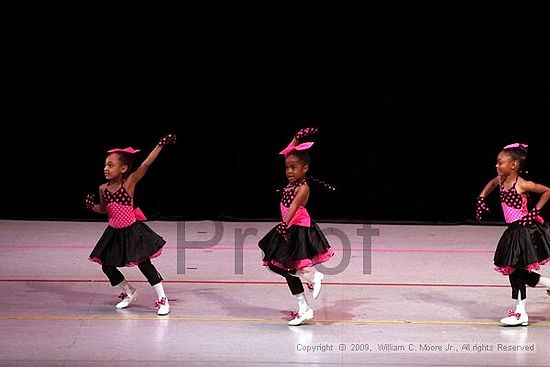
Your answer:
<point x="514" y="206"/>
<point x="301" y="217"/>
<point x="289" y="192"/>
<point x="120" y="208"/>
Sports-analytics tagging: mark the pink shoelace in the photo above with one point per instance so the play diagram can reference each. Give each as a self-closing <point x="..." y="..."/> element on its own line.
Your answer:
<point x="516" y="314"/>
<point x="161" y="302"/>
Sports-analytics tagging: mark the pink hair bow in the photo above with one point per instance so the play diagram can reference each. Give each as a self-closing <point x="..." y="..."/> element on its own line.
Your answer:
<point x="291" y="147"/>
<point x="125" y="150"/>
<point x="516" y="145"/>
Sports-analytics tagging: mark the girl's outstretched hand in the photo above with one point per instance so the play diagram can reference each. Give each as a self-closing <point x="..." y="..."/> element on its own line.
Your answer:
<point x="167" y="139"/>
<point x="306" y="132"/>
<point x="481" y="208"/>
<point x="90" y="201"/>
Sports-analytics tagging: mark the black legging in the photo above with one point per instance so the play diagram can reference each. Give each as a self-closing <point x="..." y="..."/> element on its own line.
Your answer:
<point x="294" y="283"/>
<point x="146" y="267"/>
<point x="519" y="279"/>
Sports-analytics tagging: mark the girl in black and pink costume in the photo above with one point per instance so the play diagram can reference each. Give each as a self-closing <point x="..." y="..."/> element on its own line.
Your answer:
<point x="295" y="245"/>
<point x="525" y="244"/>
<point x="127" y="241"/>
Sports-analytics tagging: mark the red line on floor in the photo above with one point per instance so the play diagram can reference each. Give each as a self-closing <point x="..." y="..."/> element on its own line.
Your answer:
<point x="378" y="284"/>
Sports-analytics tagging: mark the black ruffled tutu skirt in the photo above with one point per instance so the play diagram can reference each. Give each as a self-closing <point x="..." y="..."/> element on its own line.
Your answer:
<point x="127" y="246"/>
<point x="522" y="247"/>
<point x="307" y="246"/>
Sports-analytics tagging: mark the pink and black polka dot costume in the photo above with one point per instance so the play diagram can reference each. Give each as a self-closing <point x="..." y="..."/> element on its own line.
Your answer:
<point x="521" y="248"/>
<point x="514" y="206"/>
<point x="127" y="240"/>
<point x="307" y="245"/>
<point x="120" y="208"/>
<point x="301" y="217"/>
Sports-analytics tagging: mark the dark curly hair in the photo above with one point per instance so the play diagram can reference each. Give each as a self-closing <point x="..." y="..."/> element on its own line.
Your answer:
<point x="302" y="155"/>
<point x="519" y="154"/>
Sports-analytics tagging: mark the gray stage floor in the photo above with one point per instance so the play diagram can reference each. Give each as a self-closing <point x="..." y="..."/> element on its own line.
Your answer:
<point x="410" y="295"/>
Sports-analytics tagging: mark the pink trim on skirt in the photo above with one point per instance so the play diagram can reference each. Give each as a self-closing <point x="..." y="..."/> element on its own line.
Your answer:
<point x="132" y="263"/>
<point x="302" y="263"/>
<point x="507" y="270"/>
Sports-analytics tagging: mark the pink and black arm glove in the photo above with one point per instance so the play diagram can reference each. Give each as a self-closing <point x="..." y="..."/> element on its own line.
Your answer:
<point x="530" y="218"/>
<point x="481" y="208"/>
<point x="282" y="229"/>
<point x="305" y="133"/>
<point x="167" y="139"/>
<point x="90" y="201"/>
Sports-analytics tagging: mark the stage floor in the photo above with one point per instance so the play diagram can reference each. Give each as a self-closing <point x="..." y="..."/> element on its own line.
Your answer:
<point x="394" y="295"/>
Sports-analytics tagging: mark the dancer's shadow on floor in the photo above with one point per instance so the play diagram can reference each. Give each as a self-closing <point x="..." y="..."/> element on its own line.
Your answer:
<point x="233" y="306"/>
<point x="334" y="313"/>
<point x="467" y="308"/>
<point x="481" y="309"/>
<point x="81" y="301"/>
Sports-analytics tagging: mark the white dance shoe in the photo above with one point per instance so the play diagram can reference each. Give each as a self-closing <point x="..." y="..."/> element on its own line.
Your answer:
<point x="163" y="306"/>
<point x="313" y="277"/>
<point x="316" y="283"/>
<point x="515" y="319"/>
<point x="301" y="317"/>
<point x="127" y="299"/>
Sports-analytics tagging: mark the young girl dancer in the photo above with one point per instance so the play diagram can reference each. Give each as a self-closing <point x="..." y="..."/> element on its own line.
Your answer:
<point x="127" y="241"/>
<point x="525" y="244"/>
<point x="295" y="245"/>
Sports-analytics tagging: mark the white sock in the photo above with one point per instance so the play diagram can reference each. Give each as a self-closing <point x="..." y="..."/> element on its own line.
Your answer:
<point x="127" y="287"/>
<point x="545" y="282"/>
<point x="302" y="303"/>
<point x="520" y="306"/>
<point x="160" y="290"/>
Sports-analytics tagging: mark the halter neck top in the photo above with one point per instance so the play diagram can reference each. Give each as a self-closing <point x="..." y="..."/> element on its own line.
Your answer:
<point x="301" y="217"/>
<point x="514" y="206"/>
<point x="120" y="208"/>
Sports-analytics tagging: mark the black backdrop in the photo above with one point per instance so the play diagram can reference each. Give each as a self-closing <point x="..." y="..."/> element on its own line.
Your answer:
<point x="412" y="108"/>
